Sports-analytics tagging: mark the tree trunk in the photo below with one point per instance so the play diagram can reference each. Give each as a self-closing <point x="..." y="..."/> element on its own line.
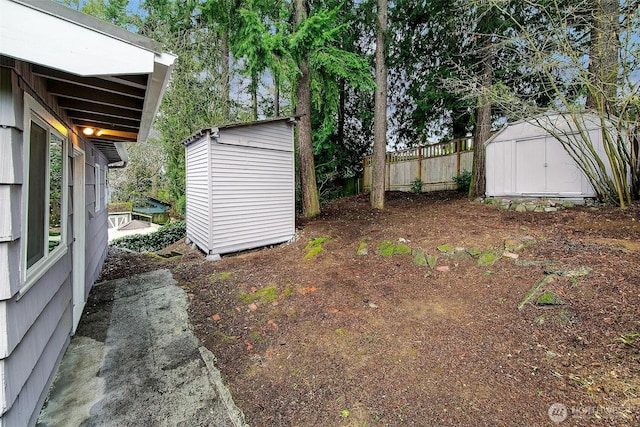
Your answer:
<point x="276" y="95"/>
<point x="341" y="113"/>
<point x="226" y="99"/>
<point x="483" y="124"/>
<point x="254" y="97"/>
<point x="603" y="57"/>
<point x="309" y="188"/>
<point x="380" y="111"/>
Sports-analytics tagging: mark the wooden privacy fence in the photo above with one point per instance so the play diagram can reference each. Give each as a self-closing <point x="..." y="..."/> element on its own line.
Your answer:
<point x="435" y="165"/>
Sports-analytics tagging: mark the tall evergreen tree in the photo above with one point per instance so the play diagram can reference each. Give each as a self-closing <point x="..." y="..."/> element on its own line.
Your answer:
<point x="378" y="170"/>
<point x="309" y="187"/>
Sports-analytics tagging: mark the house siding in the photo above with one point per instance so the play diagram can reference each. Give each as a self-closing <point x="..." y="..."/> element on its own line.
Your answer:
<point x="35" y="325"/>
<point x="250" y="188"/>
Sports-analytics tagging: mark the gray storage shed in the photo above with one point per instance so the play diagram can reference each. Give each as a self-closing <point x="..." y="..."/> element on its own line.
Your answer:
<point x="524" y="159"/>
<point x="240" y="191"/>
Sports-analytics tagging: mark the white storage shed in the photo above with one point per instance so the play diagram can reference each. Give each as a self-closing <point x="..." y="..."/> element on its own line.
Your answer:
<point x="240" y="191"/>
<point x="524" y="159"/>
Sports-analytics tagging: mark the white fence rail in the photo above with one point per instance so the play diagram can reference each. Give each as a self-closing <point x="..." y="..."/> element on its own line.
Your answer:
<point x="118" y="219"/>
<point x="435" y="165"/>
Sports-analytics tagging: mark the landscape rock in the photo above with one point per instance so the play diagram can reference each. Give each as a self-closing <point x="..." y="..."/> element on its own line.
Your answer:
<point x="447" y="249"/>
<point x="432" y="260"/>
<point x="362" y="249"/>
<point x="419" y="258"/>
<point x="578" y="272"/>
<point x="487" y="258"/>
<point x="474" y="252"/>
<point x="549" y="298"/>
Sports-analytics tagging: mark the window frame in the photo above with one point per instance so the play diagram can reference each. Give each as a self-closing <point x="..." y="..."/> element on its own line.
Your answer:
<point x="97" y="175"/>
<point x="34" y="112"/>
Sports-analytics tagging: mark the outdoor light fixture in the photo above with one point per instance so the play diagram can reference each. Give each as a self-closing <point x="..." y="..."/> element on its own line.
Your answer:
<point x="88" y="131"/>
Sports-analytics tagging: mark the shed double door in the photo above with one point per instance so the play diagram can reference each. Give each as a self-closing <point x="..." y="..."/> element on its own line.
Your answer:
<point x="544" y="167"/>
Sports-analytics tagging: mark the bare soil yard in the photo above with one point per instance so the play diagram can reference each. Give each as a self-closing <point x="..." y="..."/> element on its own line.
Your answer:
<point x="319" y="335"/>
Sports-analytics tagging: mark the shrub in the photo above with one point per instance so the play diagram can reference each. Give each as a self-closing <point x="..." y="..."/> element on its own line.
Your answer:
<point x="463" y="180"/>
<point x="416" y="186"/>
<point x="165" y="236"/>
<point x="120" y="207"/>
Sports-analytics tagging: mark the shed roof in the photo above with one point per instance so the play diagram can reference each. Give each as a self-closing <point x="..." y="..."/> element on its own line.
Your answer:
<point x="102" y="76"/>
<point x="215" y="129"/>
<point x="558" y="122"/>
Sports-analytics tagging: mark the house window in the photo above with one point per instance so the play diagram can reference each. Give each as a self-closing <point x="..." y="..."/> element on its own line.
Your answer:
<point x="45" y="204"/>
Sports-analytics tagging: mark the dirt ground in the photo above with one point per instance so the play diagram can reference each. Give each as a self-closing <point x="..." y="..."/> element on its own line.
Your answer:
<point x="322" y="336"/>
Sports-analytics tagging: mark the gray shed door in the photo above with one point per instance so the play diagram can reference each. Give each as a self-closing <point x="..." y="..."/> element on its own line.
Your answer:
<point x="544" y="167"/>
<point x="530" y="166"/>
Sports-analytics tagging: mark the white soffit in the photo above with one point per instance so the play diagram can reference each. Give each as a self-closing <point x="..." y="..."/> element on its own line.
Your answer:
<point x="163" y="67"/>
<point x="31" y="35"/>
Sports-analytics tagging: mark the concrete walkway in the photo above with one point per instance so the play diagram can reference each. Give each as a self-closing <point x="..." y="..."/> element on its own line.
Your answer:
<point x="116" y="233"/>
<point x="134" y="361"/>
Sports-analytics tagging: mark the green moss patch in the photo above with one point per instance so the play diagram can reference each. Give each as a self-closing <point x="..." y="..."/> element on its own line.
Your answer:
<point x="386" y="248"/>
<point x="534" y="290"/>
<point x="474" y="252"/>
<point x="419" y="258"/>
<point x="389" y="248"/>
<point x="447" y="249"/>
<point x="549" y="298"/>
<point x="487" y="258"/>
<point x="314" y="247"/>
<point x="265" y="295"/>
<point x="219" y="277"/>
<point x="401" y="249"/>
<point x="432" y="260"/>
<point x="362" y="249"/>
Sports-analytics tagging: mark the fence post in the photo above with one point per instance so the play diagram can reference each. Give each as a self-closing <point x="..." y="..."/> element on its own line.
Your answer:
<point x="458" y="156"/>
<point x="364" y="171"/>
<point x="420" y="162"/>
<point x="387" y="162"/>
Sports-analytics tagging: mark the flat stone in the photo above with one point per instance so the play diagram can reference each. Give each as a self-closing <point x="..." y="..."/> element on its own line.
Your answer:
<point x="447" y="249"/>
<point x="578" y="272"/>
<point x="362" y="249"/>
<point x="530" y="263"/>
<point x="487" y="258"/>
<point x="419" y="258"/>
<point x="534" y="290"/>
<point x="432" y="260"/>
<point x="520" y="208"/>
<point x="463" y="254"/>
<point x="474" y="252"/>
<point x="401" y="249"/>
<point x="549" y="298"/>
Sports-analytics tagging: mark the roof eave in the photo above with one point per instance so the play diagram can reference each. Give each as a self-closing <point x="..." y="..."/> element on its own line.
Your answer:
<point x="158" y="81"/>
